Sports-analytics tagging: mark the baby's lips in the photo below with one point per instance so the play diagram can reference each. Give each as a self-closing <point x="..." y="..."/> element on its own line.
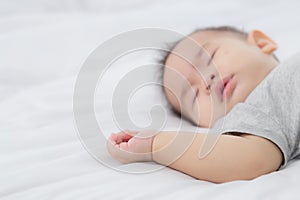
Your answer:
<point x="219" y="89"/>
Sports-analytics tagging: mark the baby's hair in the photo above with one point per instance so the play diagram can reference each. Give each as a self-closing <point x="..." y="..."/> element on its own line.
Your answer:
<point x="164" y="56"/>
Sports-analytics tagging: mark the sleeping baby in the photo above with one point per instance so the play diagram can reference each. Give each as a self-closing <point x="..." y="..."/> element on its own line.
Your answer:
<point x="235" y="86"/>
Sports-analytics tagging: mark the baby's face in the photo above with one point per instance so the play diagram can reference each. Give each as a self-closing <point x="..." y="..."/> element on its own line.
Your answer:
<point x="204" y="84"/>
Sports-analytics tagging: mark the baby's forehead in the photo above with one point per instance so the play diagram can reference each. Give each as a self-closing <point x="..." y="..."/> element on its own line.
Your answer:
<point x="198" y="40"/>
<point x="189" y="56"/>
<point x="192" y="46"/>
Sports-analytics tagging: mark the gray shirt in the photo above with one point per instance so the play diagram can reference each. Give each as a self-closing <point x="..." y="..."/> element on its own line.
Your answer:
<point x="272" y="110"/>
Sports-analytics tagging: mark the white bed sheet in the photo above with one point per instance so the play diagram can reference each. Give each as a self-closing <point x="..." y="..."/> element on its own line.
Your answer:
<point x="42" y="47"/>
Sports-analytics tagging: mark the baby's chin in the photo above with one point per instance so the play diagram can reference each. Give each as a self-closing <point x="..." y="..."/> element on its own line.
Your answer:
<point x="203" y="124"/>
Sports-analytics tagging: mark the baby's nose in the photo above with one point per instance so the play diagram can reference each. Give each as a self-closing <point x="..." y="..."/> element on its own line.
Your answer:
<point x="211" y="78"/>
<point x="209" y="81"/>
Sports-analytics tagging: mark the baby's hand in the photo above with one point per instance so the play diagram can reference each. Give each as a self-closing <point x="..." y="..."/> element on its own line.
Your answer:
<point x="131" y="146"/>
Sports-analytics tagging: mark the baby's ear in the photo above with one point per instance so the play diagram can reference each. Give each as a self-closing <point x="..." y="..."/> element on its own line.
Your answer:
<point x="262" y="41"/>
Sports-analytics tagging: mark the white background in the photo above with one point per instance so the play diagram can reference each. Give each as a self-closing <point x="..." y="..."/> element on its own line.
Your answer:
<point x="42" y="47"/>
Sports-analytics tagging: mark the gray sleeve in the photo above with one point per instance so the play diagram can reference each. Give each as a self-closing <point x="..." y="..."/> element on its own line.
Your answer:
<point x="244" y="118"/>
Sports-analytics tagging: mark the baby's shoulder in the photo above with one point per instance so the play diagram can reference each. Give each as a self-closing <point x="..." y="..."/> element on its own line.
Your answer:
<point x="285" y="75"/>
<point x="290" y="66"/>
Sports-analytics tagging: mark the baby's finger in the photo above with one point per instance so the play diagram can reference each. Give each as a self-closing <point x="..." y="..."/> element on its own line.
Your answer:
<point x="113" y="138"/>
<point x="124" y="146"/>
<point x="122" y="137"/>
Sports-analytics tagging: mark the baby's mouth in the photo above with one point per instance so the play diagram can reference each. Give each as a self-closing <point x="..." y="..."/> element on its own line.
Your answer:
<point x="221" y="87"/>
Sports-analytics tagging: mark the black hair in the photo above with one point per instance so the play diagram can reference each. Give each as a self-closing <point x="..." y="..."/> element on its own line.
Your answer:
<point x="164" y="56"/>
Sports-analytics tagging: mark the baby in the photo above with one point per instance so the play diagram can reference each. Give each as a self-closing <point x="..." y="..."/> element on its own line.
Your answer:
<point x="234" y="82"/>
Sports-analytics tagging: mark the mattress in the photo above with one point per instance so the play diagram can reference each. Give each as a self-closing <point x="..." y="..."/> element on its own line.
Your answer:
<point x="43" y="47"/>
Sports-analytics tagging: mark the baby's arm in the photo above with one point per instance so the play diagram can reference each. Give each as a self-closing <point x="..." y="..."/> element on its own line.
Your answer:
<point x="241" y="157"/>
<point x="232" y="158"/>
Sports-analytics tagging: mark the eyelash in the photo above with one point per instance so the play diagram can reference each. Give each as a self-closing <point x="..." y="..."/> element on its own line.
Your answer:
<point x="212" y="56"/>
<point x="197" y="92"/>
<point x="196" y="95"/>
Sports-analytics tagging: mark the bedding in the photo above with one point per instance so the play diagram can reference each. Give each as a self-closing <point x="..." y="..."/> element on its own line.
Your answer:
<point x="43" y="45"/>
